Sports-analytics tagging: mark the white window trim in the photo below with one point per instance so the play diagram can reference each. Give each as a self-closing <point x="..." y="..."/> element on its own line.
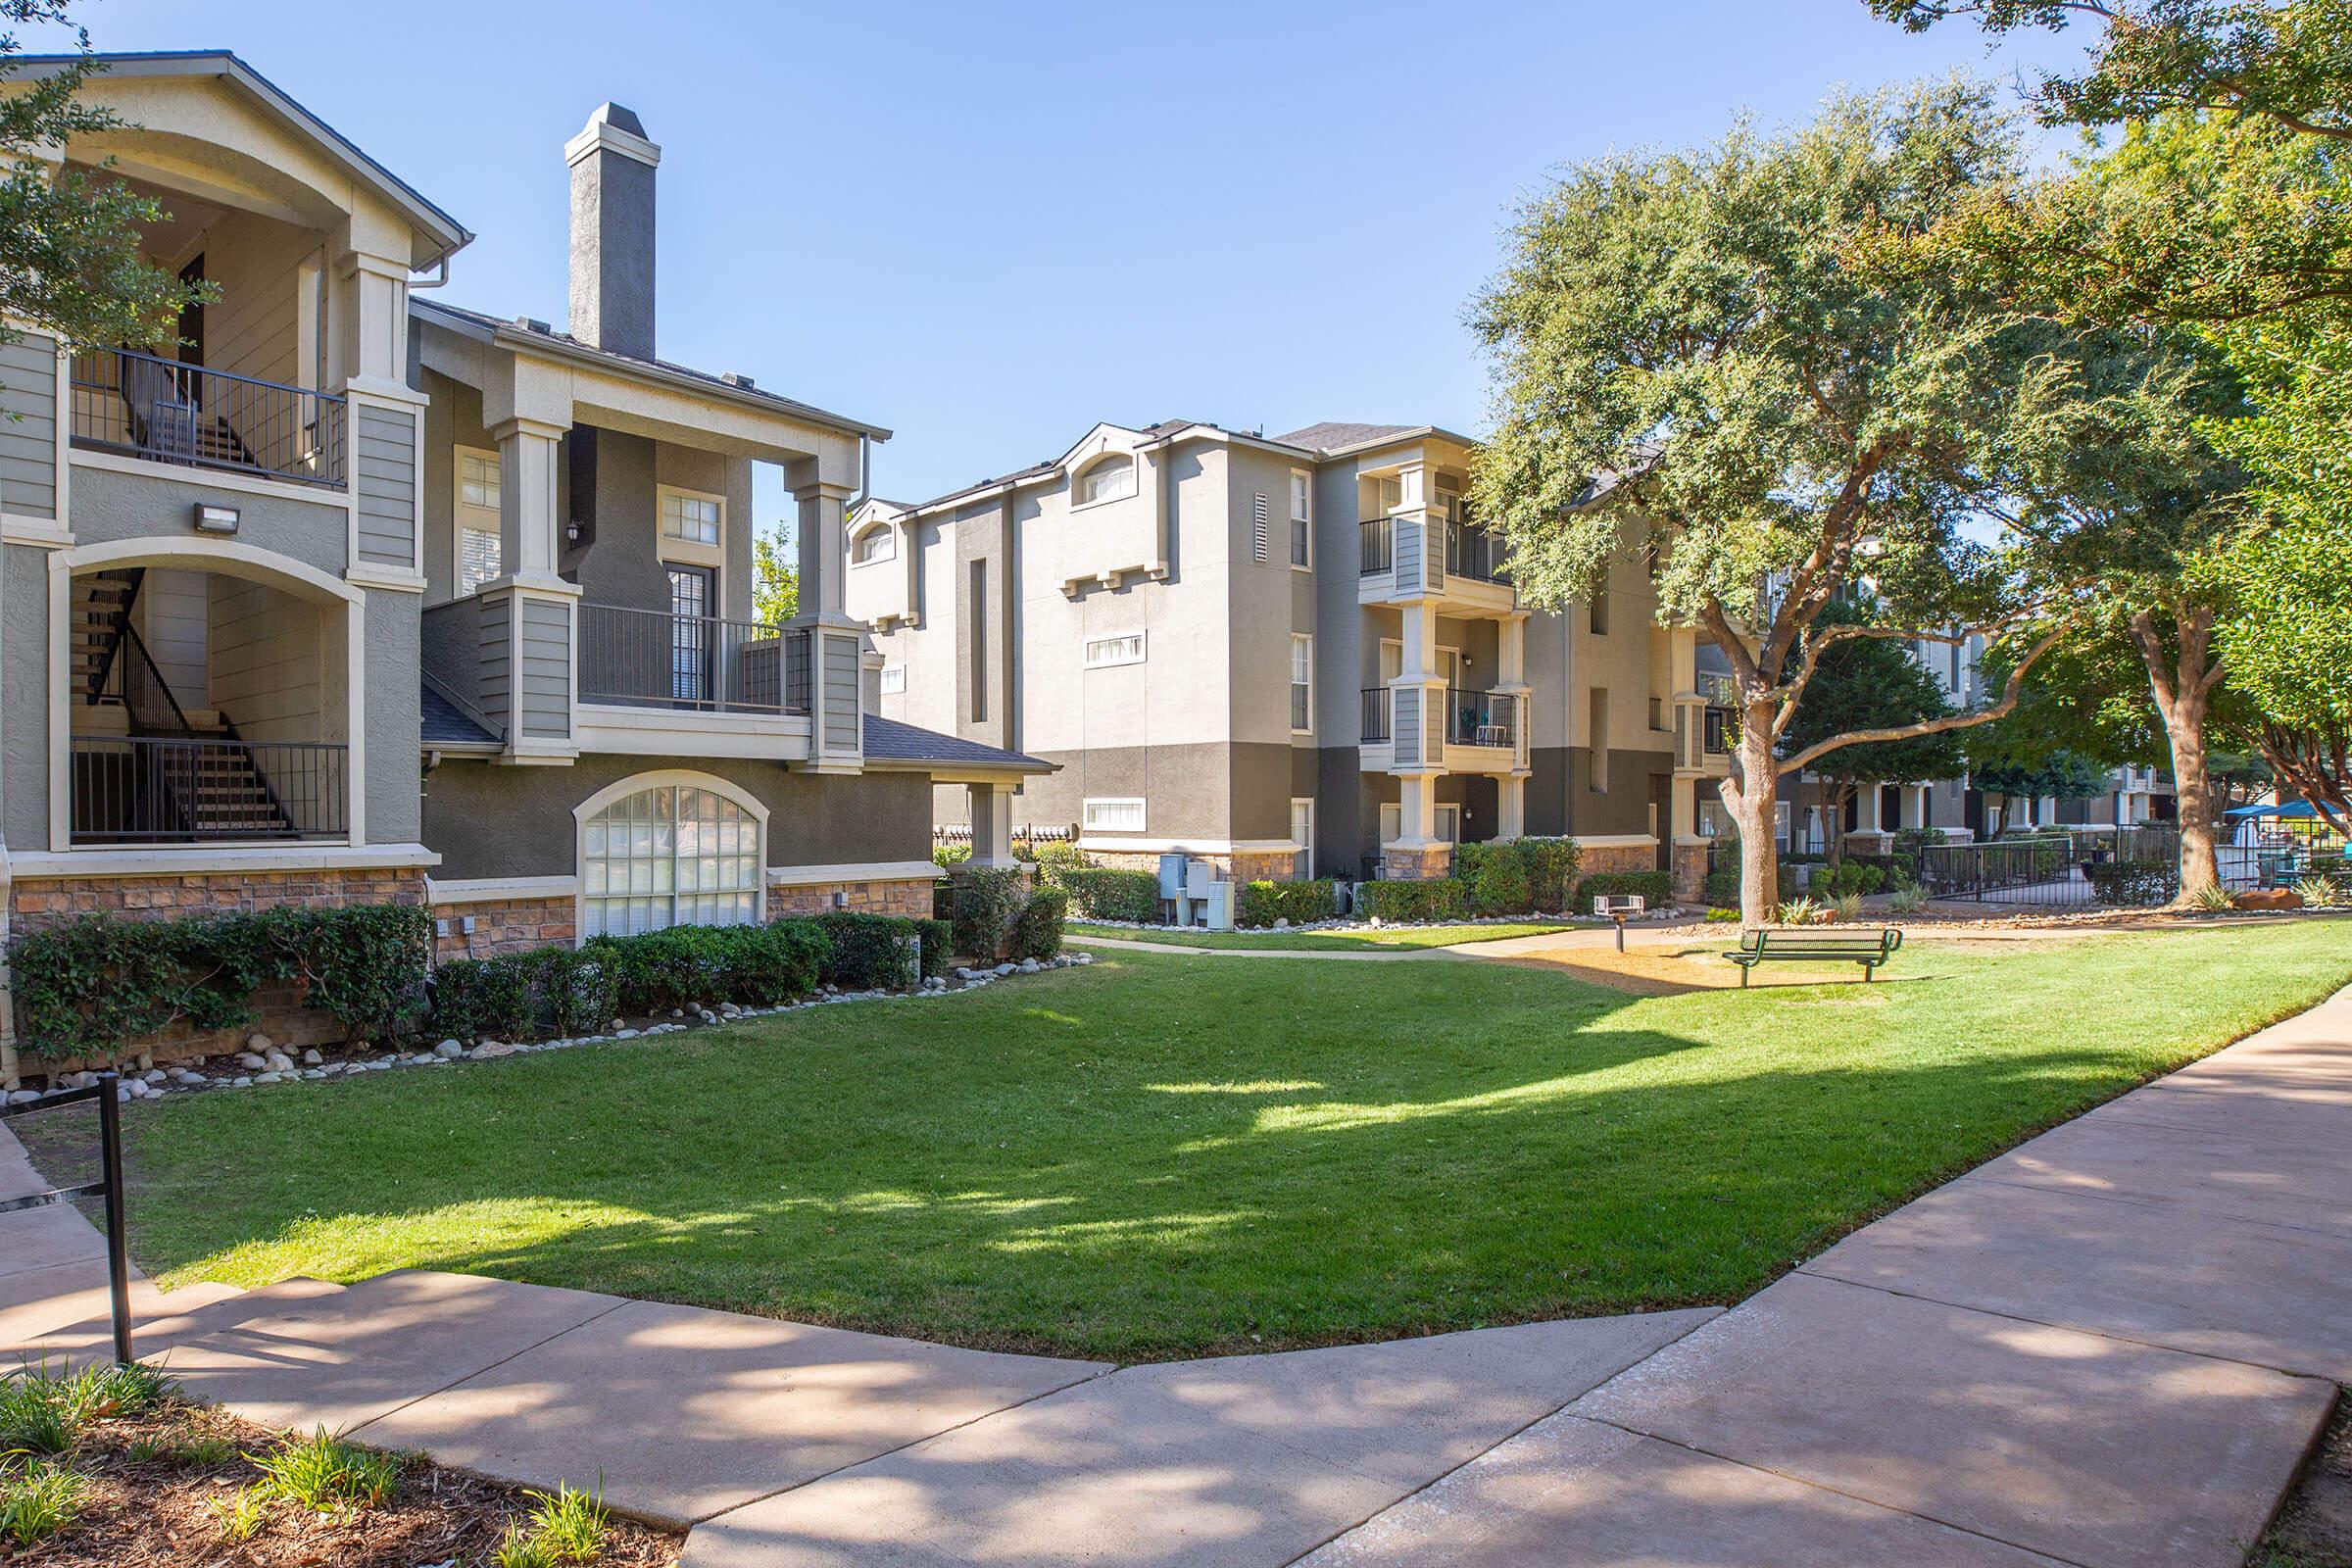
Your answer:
<point x="1087" y="807"/>
<point x="1305" y="841"/>
<point x="884" y="685"/>
<point x="1438" y="811"/>
<point x="890" y="530"/>
<point x="462" y="513"/>
<point x="688" y="552"/>
<point x="1141" y="654"/>
<point x="1292" y="683"/>
<point x="1078" y="481"/>
<point x="1309" y="564"/>
<point x="654" y="779"/>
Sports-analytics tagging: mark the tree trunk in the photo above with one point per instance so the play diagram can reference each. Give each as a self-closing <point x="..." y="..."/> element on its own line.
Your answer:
<point x="2200" y="866"/>
<point x="1751" y="799"/>
<point x="1834" y="793"/>
<point x="2182" y="687"/>
<point x="2000" y="819"/>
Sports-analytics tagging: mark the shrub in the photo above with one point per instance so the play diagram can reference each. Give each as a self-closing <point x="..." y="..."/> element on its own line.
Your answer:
<point x="1654" y="888"/>
<point x="1493" y="878"/>
<point x="1721" y="916"/>
<point x="753" y="965"/>
<point x="2315" y="892"/>
<point x="89" y="988"/>
<point x="1058" y="854"/>
<point x="1551" y="871"/>
<point x="2133" y="883"/>
<point x="1299" y="903"/>
<point x="580" y="992"/>
<point x="938" y="938"/>
<point x="949" y="856"/>
<point x="1442" y="898"/>
<point x="1799" y="910"/>
<point x="477" y="998"/>
<point x="1912" y="840"/>
<point x="654" y="972"/>
<point x="1722" y="886"/>
<point x="1037" y="929"/>
<point x="324" y="1473"/>
<point x="987" y="901"/>
<point x="872" y="951"/>
<point x="1852" y="878"/>
<point x="1908" y="898"/>
<point x="1099" y="893"/>
<point x="38" y="1500"/>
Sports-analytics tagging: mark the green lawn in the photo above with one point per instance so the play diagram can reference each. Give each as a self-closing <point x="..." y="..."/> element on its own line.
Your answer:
<point x="1158" y="1157"/>
<point x="1387" y="938"/>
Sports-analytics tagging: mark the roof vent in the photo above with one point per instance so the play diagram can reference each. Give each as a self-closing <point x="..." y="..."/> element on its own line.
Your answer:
<point x="534" y="325"/>
<point x="738" y="379"/>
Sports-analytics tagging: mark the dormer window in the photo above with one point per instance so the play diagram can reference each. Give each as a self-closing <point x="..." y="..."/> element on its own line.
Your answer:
<point x="875" y="544"/>
<point x="1107" y="480"/>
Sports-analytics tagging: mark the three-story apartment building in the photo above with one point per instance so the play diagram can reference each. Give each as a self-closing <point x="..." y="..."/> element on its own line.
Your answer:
<point x="342" y="537"/>
<point x="1295" y="655"/>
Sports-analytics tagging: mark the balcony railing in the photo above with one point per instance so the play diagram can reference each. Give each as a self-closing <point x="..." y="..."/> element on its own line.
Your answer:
<point x="167" y="412"/>
<point x="130" y="789"/>
<point x="1379" y="544"/>
<point x="1474" y="552"/>
<point x="1378" y="703"/>
<point x="652" y="659"/>
<point x="1717" y="731"/>
<point x="1482" y="719"/>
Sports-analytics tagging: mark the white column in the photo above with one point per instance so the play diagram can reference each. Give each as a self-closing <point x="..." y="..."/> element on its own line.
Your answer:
<point x="530" y="533"/>
<point x="822" y="518"/>
<point x="1866" y="820"/>
<point x="1510" y="807"/>
<point x="1416" y="818"/>
<point x="992" y="824"/>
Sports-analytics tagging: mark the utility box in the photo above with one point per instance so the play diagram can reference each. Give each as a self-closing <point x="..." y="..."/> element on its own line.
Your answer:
<point x="1216" y="910"/>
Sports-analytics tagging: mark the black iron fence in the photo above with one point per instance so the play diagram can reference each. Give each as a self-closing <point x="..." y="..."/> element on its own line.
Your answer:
<point x="133" y="789"/>
<point x="652" y="659"/>
<point x="1475" y="553"/>
<point x="162" y="410"/>
<point x="1482" y="719"/>
<point x="1378" y="537"/>
<point x="107" y="1093"/>
<point x="1378" y="702"/>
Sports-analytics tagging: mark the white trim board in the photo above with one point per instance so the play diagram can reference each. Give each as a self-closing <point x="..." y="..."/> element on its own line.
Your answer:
<point x="219" y="859"/>
<point x="802" y="876"/>
<point x="500" y="889"/>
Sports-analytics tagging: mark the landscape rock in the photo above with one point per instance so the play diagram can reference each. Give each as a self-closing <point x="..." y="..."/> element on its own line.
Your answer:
<point x="448" y="1050"/>
<point x="311" y="1058"/>
<point x="248" y="1059"/>
<point x="259" y="1043"/>
<point x="2267" y="899"/>
<point x="269" y="1078"/>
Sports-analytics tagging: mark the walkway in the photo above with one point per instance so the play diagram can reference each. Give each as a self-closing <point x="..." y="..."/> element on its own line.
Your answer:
<point x="2110" y="1346"/>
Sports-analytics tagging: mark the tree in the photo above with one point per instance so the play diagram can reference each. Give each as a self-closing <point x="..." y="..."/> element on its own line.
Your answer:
<point x="1689" y="363"/>
<point x="2054" y="771"/>
<point x="69" y="258"/>
<point x="1869" y="684"/>
<point x="775" y="579"/>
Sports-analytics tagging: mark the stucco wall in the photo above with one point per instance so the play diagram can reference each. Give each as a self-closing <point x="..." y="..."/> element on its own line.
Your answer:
<point x="107" y="505"/>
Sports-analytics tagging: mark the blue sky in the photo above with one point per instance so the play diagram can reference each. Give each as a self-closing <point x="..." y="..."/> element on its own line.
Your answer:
<point x="989" y="226"/>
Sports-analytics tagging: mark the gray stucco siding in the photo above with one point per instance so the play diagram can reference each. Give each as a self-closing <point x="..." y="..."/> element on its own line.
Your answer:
<point x="1186" y="788"/>
<point x="109" y="506"/>
<point x="485" y="820"/>
<point x="29" y="427"/>
<point x="384" y="478"/>
<point x="450" y="642"/>
<point x="25" y="696"/>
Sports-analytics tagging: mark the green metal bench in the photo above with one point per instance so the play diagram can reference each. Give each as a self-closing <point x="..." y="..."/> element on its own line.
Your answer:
<point x="1815" y="946"/>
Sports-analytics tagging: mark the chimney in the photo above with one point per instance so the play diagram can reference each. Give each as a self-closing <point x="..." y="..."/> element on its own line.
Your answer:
<point x="612" y="233"/>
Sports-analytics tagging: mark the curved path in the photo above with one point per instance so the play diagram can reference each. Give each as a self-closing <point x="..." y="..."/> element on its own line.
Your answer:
<point x="2111" y="1346"/>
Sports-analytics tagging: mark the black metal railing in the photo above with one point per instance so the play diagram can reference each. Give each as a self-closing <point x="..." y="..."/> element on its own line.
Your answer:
<point x="652" y="659"/>
<point x="107" y="1092"/>
<point x="1378" y="537"/>
<point x="138" y="789"/>
<point x="1379" y="703"/>
<point x="1482" y="719"/>
<point x="148" y="407"/>
<point x="1475" y="553"/>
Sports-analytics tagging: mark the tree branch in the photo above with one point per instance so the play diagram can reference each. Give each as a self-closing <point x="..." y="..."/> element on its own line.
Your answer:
<point x="1934" y="726"/>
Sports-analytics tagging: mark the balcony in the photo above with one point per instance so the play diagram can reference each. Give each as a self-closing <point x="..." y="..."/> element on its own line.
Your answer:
<point x="1413" y="555"/>
<point x="141" y="405"/>
<point x="702" y="664"/>
<point x="1378" y="704"/>
<point x="1482" y="719"/>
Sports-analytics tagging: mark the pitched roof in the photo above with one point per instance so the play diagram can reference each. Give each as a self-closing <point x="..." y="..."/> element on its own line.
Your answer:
<point x="1332" y="435"/>
<point x="539" y="334"/>
<point x="441" y="723"/>
<point x="889" y="741"/>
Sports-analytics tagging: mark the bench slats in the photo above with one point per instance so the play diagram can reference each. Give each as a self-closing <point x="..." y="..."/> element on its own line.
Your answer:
<point x="1818" y="947"/>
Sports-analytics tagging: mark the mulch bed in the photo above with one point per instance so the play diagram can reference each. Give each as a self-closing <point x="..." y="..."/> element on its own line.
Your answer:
<point x="158" y="1512"/>
<point x="2314" y="1528"/>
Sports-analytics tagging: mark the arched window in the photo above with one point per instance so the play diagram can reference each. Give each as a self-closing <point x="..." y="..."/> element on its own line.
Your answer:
<point x="1107" y="480"/>
<point x="878" y="543"/>
<point x="672" y="855"/>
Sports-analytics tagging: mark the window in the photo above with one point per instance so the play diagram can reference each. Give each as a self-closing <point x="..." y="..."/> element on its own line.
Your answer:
<point x="1596" y="738"/>
<point x="1392" y="822"/>
<point x="478" y="541"/>
<point x="1448" y="823"/>
<point x="978" y="636"/>
<point x="1303" y="677"/>
<point x="1104" y="652"/>
<point x="692" y="641"/>
<point x="878" y="543"/>
<point x="1600" y="613"/>
<point x="691" y="519"/>
<point x="1112" y="817"/>
<point x="894" y="679"/>
<point x="1303" y="834"/>
<point x="1110" y="480"/>
<point x="1301" y="520"/>
<point x="670" y="856"/>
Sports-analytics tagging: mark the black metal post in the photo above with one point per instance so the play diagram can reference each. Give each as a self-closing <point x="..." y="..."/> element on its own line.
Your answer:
<point x="118" y="1256"/>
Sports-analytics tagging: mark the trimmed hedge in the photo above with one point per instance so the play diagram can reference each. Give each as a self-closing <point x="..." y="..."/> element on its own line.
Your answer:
<point x="1655" y="888"/>
<point x="559" y="991"/>
<point x="871" y="950"/>
<point x="986" y="900"/>
<point x="1851" y="876"/>
<point x="1442" y="898"/>
<point x="1550" y="870"/>
<point x="2134" y="884"/>
<point x="1493" y="877"/>
<point x="939" y="946"/>
<point x="1263" y="902"/>
<point x="751" y="965"/>
<point x="93" y="987"/>
<point x="1037" y="929"/>
<point x="1099" y="893"/>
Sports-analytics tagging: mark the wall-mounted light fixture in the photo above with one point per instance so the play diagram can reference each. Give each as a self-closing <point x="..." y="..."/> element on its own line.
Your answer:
<point x="215" y="520"/>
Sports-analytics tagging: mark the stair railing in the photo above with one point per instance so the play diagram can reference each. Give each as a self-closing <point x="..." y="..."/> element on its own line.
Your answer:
<point x="136" y="576"/>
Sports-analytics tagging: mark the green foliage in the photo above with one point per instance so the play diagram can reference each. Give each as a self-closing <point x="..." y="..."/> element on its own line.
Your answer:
<point x="1871" y="683"/>
<point x="1654" y="888"/>
<point x="1037" y="931"/>
<point x="40" y="1500"/>
<point x="946" y="856"/>
<point x="1724" y="915"/>
<point x="88" y="988"/>
<point x="987" y="899"/>
<point x="38" y="1413"/>
<point x="1102" y="892"/>
<point x="872" y="951"/>
<point x="1907" y="900"/>
<point x="520" y="1547"/>
<point x="570" y="1524"/>
<point x="241" y="1514"/>
<point x="1439" y="899"/>
<point x="750" y="965"/>
<point x="2064" y="774"/>
<point x="1550" y="870"/>
<point x="938" y="938"/>
<point x="1856" y="878"/>
<point x="2133" y="883"/>
<point x="1263" y="902"/>
<point x="324" y="1474"/>
<point x="1799" y="910"/>
<point x="1494" y="879"/>
<point x="775" y="579"/>
<point x="1054" y="855"/>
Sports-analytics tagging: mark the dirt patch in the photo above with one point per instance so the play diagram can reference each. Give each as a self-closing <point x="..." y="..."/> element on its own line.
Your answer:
<point x="154" y="1487"/>
<point x="2314" y="1529"/>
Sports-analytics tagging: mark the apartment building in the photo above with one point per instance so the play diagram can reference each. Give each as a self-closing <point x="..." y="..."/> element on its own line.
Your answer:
<point x="345" y="538"/>
<point x="1295" y="655"/>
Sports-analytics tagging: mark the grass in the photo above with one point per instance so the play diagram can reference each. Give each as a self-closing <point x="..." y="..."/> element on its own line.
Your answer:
<point x="1388" y="939"/>
<point x="324" y="1473"/>
<point x="1158" y="1157"/>
<point x="38" y="1499"/>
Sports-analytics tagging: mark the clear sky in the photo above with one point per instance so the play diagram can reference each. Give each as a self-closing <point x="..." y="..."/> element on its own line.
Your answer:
<point x="987" y="225"/>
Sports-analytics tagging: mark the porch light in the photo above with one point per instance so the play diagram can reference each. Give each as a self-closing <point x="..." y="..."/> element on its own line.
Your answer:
<point x="215" y="519"/>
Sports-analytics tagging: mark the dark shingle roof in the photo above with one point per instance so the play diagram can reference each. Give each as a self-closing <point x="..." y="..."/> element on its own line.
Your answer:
<point x="442" y="722"/>
<point x="889" y="741"/>
<point x="1332" y="435"/>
